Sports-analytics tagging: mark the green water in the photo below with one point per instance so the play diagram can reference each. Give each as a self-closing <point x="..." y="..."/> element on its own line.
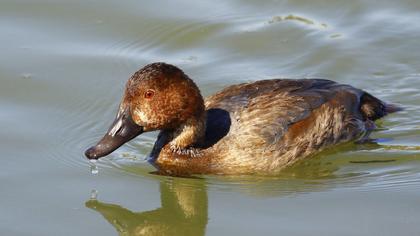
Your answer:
<point x="63" y="66"/>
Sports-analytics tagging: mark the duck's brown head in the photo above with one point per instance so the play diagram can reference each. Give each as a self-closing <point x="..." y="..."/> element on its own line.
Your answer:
<point x="157" y="97"/>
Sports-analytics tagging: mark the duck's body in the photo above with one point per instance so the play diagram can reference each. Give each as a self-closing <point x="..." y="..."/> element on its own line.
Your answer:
<point x="265" y="126"/>
<point x="259" y="127"/>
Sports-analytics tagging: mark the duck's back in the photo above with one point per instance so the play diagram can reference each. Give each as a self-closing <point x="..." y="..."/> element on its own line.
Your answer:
<point x="270" y="124"/>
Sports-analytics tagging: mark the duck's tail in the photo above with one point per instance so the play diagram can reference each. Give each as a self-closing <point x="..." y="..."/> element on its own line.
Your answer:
<point x="372" y="108"/>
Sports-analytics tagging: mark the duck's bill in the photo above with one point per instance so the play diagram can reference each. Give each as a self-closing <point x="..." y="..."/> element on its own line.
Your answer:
<point x="122" y="130"/>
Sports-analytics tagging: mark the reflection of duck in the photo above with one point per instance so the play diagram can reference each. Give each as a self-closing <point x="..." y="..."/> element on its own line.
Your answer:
<point x="258" y="127"/>
<point x="183" y="212"/>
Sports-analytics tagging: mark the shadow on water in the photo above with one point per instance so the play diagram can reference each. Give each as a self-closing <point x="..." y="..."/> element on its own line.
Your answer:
<point x="184" y="201"/>
<point x="183" y="211"/>
<point x="184" y="204"/>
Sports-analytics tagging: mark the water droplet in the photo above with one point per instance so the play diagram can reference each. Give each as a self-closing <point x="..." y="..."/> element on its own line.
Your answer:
<point x="93" y="167"/>
<point x="94" y="194"/>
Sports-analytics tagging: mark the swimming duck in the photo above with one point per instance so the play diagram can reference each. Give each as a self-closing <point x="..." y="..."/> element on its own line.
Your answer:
<point x="259" y="127"/>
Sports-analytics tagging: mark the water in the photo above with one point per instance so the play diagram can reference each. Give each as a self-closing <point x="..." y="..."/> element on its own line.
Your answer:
<point x="63" y="66"/>
<point x="93" y="167"/>
<point x="94" y="194"/>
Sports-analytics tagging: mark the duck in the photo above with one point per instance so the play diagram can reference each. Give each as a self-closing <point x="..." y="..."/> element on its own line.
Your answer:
<point x="259" y="127"/>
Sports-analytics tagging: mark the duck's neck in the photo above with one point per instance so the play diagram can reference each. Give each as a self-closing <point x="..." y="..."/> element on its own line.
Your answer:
<point x="189" y="135"/>
<point x="185" y="140"/>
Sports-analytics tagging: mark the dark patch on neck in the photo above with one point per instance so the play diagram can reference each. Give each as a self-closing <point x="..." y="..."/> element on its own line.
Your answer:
<point x="217" y="126"/>
<point x="161" y="140"/>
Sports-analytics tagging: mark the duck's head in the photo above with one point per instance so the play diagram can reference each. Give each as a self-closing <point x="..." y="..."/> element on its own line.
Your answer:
<point x="157" y="97"/>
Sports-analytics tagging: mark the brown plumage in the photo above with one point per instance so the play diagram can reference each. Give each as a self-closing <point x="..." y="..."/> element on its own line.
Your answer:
<point x="260" y="127"/>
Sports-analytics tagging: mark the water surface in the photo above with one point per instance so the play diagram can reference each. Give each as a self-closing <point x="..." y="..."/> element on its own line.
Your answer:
<point x="63" y="66"/>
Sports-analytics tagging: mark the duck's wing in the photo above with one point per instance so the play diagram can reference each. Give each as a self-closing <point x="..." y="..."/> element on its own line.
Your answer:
<point x="237" y="97"/>
<point x="261" y="113"/>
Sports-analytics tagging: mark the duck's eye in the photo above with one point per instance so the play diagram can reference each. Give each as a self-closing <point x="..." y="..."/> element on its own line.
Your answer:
<point x="149" y="93"/>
